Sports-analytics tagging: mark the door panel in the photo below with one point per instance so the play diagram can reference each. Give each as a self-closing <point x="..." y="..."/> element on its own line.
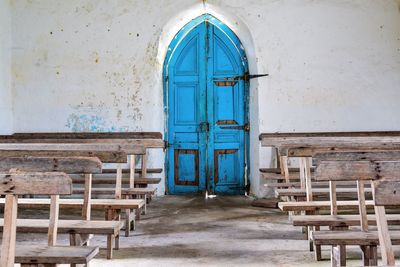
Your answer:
<point x="206" y="151"/>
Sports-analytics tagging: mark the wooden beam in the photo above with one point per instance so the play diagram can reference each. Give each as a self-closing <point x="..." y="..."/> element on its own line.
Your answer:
<point x="70" y="165"/>
<point x="329" y="134"/>
<point x="53" y="221"/>
<point x="391" y="155"/>
<point x="37" y="183"/>
<point x="357" y="170"/>
<point x="128" y="148"/>
<point x="103" y="156"/>
<point x="85" y="135"/>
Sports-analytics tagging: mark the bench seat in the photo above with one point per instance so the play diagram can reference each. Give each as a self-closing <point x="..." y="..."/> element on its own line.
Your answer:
<point x="315" y="205"/>
<point x="340" y="192"/>
<point x="339" y="220"/>
<point x="54" y="255"/>
<point x="78" y="203"/>
<point x="68" y="226"/>
<point x="350" y="238"/>
<point x="125" y="191"/>
<point x="111" y="180"/>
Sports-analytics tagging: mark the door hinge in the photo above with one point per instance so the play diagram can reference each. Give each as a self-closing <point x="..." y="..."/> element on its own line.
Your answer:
<point x="166" y="145"/>
<point x="245" y="127"/>
<point x="245" y="77"/>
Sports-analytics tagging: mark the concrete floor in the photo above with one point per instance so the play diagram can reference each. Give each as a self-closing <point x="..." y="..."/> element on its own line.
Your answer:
<point x="224" y="231"/>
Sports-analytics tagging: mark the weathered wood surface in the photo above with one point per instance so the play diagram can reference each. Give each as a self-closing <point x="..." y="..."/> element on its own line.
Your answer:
<point x="294" y="171"/>
<point x="9" y="234"/>
<point x="314" y="205"/>
<point x="357" y="170"/>
<point x="311" y="151"/>
<point x="328" y="134"/>
<point x="128" y="148"/>
<point x="356" y="156"/>
<point x="68" y="226"/>
<point x="78" y="203"/>
<point x="139" y="171"/>
<point x="55" y="255"/>
<point x="35" y="183"/>
<point x="125" y="191"/>
<point x="351" y="237"/>
<point x="84" y="135"/>
<point x="103" y="156"/>
<point x="51" y="164"/>
<point x="386" y="193"/>
<point x="339" y="220"/>
<point x="341" y="192"/>
<point x="111" y="180"/>
<point x="315" y="184"/>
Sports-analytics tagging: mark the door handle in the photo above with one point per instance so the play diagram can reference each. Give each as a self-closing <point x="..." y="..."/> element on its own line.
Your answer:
<point x="204" y="126"/>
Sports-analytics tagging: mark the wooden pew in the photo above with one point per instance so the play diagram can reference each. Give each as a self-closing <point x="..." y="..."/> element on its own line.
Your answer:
<point x="11" y="159"/>
<point x="381" y="166"/>
<point x="13" y="184"/>
<point x="304" y="145"/>
<point x="128" y="148"/>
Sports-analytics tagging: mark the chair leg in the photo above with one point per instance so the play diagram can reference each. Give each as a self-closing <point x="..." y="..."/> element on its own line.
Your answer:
<point x="110" y="242"/>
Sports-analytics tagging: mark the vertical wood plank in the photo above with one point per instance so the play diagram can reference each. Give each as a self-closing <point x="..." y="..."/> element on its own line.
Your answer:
<point x="144" y="165"/>
<point x="53" y="222"/>
<point x="118" y="182"/>
<point x="9" y="232"/>
<point x="87" y="198"/>
<point x="333" y="198"/>
<point x="302" y="173"/>
<point x="131" y="171"/>
<point x="307" y="176"/>
<point x="361" y="205"/>
<point x="384" y="237"/>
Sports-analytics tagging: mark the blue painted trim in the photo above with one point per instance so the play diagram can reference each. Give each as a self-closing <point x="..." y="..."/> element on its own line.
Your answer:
<point x="183" y="32"/>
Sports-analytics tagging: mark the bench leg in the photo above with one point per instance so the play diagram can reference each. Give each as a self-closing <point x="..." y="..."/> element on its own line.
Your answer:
<point x="145" y="205"/>
<point x="116" y="245"/>
<point x="317" y="248"/>
<point x="338" y="256"/>
<point x="373" y="252"/>
<point x="366" y="255"/>
<point x="127" y="222"/>
<point x="110" y="243"/>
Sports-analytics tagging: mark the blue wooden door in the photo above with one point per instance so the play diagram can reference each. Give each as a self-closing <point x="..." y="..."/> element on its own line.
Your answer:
<point x="206" y="107"/>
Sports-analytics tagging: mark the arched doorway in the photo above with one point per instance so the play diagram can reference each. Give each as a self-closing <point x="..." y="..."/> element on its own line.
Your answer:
<point x="206" y="105"/>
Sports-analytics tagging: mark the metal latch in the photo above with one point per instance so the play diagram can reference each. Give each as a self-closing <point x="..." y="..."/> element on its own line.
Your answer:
<point x="245" y="77"/>
<point x="245" y="127"/>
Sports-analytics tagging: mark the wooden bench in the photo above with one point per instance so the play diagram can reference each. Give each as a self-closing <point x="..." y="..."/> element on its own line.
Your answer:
<point x="381" y="166"/>
<point x="13" y="184"/>
<point x="11" y="159"/>
<point x="304" y="145"/>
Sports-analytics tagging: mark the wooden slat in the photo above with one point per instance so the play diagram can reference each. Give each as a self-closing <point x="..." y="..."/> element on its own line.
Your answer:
<point x="54" y="255"/>
<point x="87" y="198"/>
<point x="128" y="148"/>
<point x="53" y="221"/>
<point x="111" y="191"/>
<point x="149" y="170"/>
<point x="78" y="203"/>
<point x="51" y="164"/>
<point x="357" y="170"/>
<point x="9" y="233"/>
<point x="104" y="180"/>
<point x="84" y="135"/>
<point x="299" y="192"/>
<point x="339" y="220"/>
<point x="329" y="134"/>
<point x="35" y="183"/>
<point x="351" y="237"/>
<point x="356" y="156"/>
<point x="313" y="205"/>
<point x="103" y="156"/>
<point x="67" y="226"/>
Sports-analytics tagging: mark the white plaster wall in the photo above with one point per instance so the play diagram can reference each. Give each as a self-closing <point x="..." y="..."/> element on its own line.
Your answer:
<point x="6" y="115"/>
<point x="334" y="65"/>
